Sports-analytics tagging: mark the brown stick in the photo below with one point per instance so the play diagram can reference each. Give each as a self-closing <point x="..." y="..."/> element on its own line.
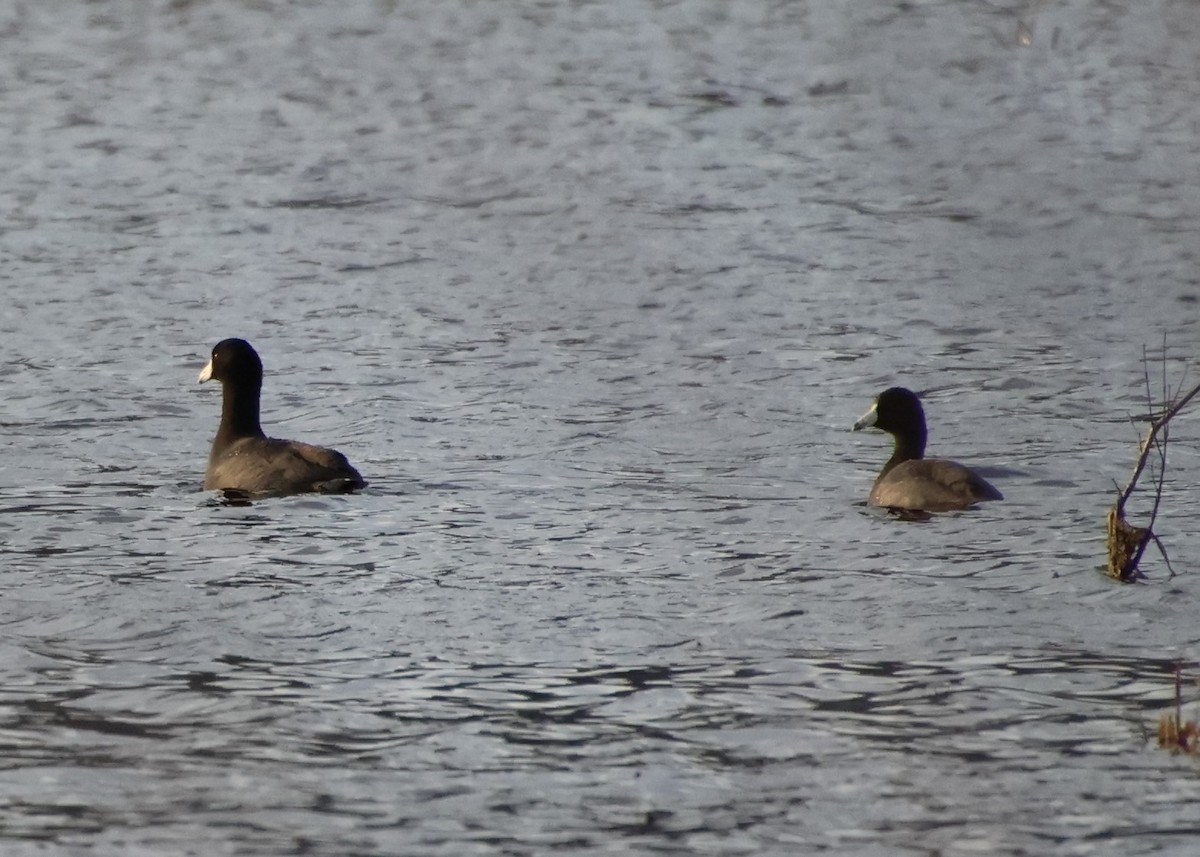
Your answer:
<point x="1150" y="442"/>
<point x="1127" y="543"/>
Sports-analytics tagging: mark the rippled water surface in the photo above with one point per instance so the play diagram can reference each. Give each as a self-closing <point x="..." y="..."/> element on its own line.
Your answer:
<point x="591" y="293"/>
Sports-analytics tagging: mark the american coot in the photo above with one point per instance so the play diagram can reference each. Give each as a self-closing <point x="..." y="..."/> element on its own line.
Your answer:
<point x="909" y="480"/>
<point x="245" y="460"/>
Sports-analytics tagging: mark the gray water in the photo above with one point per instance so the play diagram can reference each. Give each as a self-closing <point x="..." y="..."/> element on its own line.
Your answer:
<point x="591" y="293"/>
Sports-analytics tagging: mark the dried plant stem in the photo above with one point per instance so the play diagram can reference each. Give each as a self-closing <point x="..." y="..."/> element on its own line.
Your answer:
<point x="1127" y="543"/>
<point x="1175" y="733"/>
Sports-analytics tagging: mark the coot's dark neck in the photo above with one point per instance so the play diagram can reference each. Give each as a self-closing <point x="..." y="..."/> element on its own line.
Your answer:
<point x="908" y="448"/>
<point x="239" y="412"/>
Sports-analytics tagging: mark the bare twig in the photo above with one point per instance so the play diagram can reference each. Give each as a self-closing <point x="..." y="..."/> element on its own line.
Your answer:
<point x="1155" y="427"/>
<point x="1163" y="551"/>
<point x="1127" y="543"/>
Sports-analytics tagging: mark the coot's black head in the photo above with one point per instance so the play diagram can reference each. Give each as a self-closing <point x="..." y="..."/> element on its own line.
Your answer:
<point x="236" y="361"/>
<point x="898" y="412"/>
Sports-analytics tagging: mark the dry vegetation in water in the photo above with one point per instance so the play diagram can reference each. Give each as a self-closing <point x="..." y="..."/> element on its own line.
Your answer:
<point x="1175" y="733"/>
<point x="1127" y="543"/>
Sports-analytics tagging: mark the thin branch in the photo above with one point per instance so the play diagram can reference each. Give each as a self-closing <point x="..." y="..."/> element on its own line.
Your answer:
<point x="1163" y="551"/>
<point x="1143" y="454"/>
<point x="1159" y="447"/>
<point x="1161" y="476"/>
<point x="1127" y="543"/>
<point x="1146" y="383"/>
